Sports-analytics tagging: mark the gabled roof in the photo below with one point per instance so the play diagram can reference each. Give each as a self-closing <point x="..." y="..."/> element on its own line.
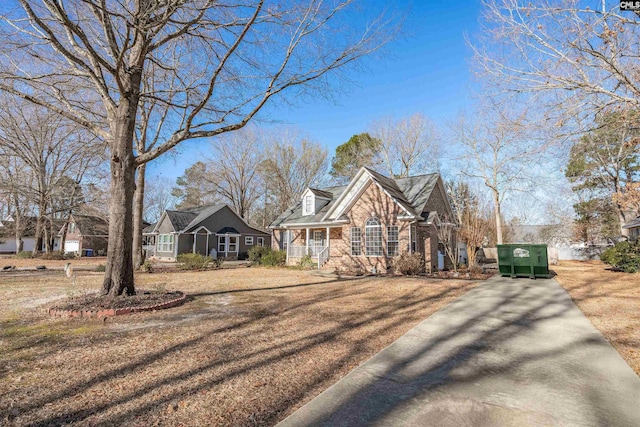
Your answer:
<point x="149" y="228"/>
<point x="632" y="224"/>
<point x="180" y="219"/>
<point x="294" y="215"/>
<point x="187" y="220"/>
<point x="321" y="193"/>
<point x="88" y="225"/>
<point x="418" y="189"/>
<point x="393" y="189"/>
<point x="202" y="213"/>
<point x="411" y="194"/>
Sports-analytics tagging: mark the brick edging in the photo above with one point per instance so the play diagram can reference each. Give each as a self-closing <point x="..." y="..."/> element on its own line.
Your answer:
<point x="53" y="311"/>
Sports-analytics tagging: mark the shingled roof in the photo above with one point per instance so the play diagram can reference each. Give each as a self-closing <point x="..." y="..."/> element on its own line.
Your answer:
<point x="293" y="215"/>
<point x="411" y="193"/>
<point x="185" y="219"/>
<point x="88" y="225"/>
<point x="632" y="224"/>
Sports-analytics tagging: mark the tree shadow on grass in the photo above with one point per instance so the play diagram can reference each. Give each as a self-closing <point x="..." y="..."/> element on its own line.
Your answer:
<point x="409" y="303"/>
<point x="451" y="354"/>
<point x="463" y="363"/>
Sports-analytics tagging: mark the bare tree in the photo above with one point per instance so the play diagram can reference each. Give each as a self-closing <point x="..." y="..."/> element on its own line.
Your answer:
<point x="471" y="215"/>
<point x="236" y="160"/>
<point x="13" y="174"/>
<point x="578" y="60"/>
<point x="408" y="146"/>
<point x="447" y="234"/>
<point x="292" y="164"/>
<point x="158" y="197"/>
<point x="495" y="150"/>
<point x="54" y="150"/>
<point x="152" y="116"/>
<point x="87" y="60"/>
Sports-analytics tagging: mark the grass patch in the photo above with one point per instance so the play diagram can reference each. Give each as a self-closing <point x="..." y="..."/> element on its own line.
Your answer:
<point x="610" y="300"/>
<point x="253" y="345"/>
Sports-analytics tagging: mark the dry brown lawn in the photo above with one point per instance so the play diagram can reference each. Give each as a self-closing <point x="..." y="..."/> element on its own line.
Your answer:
<point x="32" y="262"/>
<point x="252" y="345"/>
<point x="611" y="301"/>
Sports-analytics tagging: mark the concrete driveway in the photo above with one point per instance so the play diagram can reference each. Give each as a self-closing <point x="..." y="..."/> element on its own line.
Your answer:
<point x="511" y="352"/>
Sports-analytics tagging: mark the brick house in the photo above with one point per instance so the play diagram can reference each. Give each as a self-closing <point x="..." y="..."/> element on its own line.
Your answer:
<point x="362" y="226"/>
<point x="86" y="235"/>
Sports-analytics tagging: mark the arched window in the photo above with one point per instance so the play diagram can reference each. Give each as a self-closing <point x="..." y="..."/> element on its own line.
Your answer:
<point x="373" y="237"/>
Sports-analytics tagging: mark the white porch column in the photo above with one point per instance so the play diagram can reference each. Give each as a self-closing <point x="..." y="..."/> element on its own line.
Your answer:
<point x="306" y="241"/>
<point x="288" y="240"/>
<point x="328" y="240"/>
<point x="195" y="236"/>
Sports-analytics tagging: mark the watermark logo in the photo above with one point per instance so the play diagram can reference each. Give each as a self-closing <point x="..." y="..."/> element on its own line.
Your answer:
<point x="633" y="6"/>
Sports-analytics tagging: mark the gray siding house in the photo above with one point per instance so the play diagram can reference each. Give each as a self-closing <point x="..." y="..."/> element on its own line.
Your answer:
<point x="214" y="230"/>
<point x="634" y="228"/>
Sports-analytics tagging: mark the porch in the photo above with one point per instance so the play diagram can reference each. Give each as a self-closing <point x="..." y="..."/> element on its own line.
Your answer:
<point x="317" y="245"/>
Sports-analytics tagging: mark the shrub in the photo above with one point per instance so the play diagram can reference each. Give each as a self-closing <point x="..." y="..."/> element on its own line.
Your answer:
<point x="264" y="255"/>
<point x="408" y="264"/>
<point x="274" y="258"/>
<point x="624" y="256"/>
<point x="101" y="268"/>
<point x="257" y="252"/>
<point x="243" y="256"/>
<point x="306" y="262"/>
<point x="24" y="255"/>
<point x="146" y="267"/>
<point x="217" y="263"/>
<point x="193" y="261"/>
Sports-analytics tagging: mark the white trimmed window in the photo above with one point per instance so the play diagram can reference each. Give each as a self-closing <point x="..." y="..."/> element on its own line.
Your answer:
<point x="260" y="241"/>
<point x="165" y="243"/>
<point x="308" y="204"/>
<point x="392" y="240"/>
<point x="233" y="244"/>
<point x="248" y="240"/>
<point x="373" y="237"/>
<point x="414" y="233"/>
<point x="356" y="241"/>
<point x="222" y="242"/>
<point x="317" y="238"/>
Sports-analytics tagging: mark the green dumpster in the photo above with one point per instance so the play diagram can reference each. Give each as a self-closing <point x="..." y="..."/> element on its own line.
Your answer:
<point x="523" y="260"/>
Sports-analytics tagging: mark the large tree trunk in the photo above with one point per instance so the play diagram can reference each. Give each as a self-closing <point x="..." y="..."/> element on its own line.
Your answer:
<point x="118" y="276"/>
<point x="138" y="208"/>
<point x="623" y="219"/>
<point x="496" y="202"/>
<point x="38" y="236"/>
<point x="19" y="244"/>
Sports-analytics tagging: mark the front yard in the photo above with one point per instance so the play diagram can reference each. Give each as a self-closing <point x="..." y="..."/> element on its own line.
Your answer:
<point x="611" y="301"/>
<point x="252" y="345"/>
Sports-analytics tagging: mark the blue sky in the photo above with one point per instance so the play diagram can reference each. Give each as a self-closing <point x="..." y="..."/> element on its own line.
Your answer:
<point x="426" y="71"/>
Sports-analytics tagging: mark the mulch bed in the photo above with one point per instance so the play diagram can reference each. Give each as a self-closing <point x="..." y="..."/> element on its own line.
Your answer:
<point x="462" y="275"/>
<point x="99" y="305"/>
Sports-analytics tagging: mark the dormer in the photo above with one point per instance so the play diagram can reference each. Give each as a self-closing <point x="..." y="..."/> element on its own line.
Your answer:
<point x="313" y="200"/>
